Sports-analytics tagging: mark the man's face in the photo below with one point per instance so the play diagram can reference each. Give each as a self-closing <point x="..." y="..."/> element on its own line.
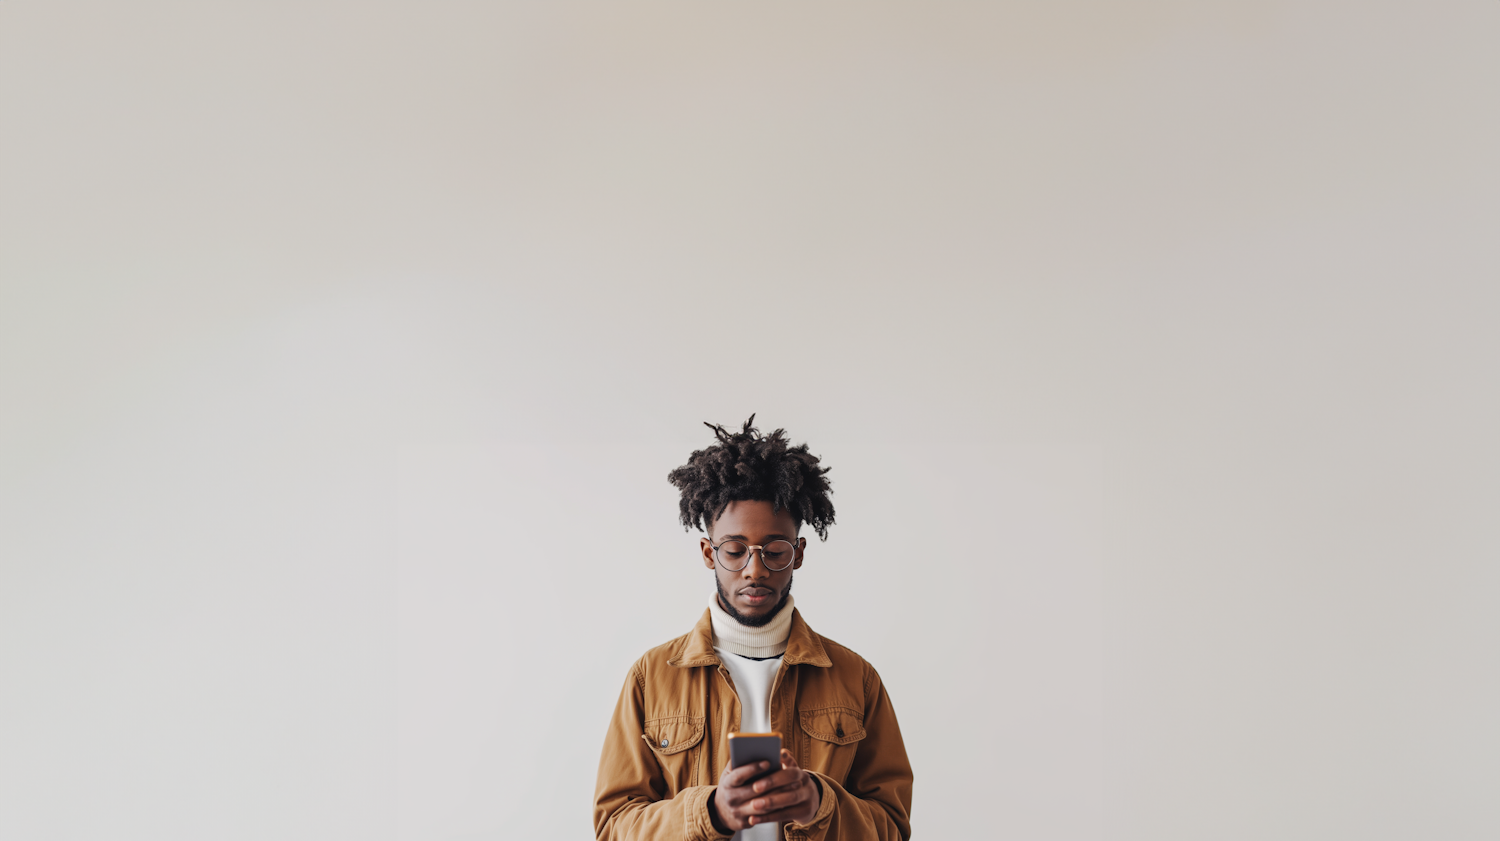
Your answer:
<point x="754" y="594"/>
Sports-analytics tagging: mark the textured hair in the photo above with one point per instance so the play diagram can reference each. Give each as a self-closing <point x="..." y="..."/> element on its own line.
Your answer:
<point x="746" y="466"/>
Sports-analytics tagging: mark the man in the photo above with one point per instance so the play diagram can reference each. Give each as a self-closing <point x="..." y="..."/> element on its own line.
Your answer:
<point x="753" y="665"/>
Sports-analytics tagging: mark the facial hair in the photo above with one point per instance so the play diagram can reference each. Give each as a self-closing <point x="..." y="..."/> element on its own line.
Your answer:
<point x="751" y="621"/>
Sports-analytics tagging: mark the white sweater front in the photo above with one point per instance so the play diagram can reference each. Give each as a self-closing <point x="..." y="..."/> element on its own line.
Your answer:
<point x="752" y="677"/>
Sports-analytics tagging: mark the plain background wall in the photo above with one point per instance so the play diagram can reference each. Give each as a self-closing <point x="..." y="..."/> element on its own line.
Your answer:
<point x="344" y="350"/>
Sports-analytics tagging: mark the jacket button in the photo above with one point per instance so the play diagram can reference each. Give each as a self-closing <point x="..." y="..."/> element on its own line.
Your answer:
<point x="664" y="741"/>
<point x="840" y="731"/>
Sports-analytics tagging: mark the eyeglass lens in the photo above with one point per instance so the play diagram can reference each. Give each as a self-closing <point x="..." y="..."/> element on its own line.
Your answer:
<point x="777" y="555"/>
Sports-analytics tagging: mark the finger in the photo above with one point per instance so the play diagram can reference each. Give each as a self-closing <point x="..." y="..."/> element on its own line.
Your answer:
<point x="793" y="806"/>
<point x="799" y="811"/>
<point x="785" y="798"/>
<point x="738" y="796"/>
<point x="771" y="804"/>
<point x="785" y="778"/>
<point x="742" y="775"/>
<point x="787" y="760"/>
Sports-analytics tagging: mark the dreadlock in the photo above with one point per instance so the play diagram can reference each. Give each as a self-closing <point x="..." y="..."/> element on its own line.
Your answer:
<point x="745" y="466"/>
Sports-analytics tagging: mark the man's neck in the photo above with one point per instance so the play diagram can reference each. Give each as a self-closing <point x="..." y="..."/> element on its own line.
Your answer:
<point x="768" y="640"/>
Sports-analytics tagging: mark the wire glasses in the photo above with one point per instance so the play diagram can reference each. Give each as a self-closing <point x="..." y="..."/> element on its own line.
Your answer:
<point x="733" y="555"/>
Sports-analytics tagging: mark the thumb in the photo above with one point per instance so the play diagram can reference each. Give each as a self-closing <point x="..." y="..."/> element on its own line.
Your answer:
<point x="787" y="760"/>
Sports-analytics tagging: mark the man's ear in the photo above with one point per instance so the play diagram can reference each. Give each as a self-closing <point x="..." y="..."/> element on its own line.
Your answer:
<point x="801" y="547"/>
<point x="707" y="547"/>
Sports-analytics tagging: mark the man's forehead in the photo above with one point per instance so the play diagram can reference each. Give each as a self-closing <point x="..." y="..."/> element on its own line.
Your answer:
<point x="755" y="514"/>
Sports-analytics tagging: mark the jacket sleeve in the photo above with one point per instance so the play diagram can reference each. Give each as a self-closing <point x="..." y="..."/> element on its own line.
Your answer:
<point x="875" y="799"/>
<point x="628" y="799"/>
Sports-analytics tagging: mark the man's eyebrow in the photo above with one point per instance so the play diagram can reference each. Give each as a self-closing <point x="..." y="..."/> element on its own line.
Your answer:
<point x="743" y="539"/>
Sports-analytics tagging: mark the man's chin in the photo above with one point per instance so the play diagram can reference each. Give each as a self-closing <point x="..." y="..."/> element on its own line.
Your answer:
<point x="755" y="613"/>
<point x="753" y="616"/>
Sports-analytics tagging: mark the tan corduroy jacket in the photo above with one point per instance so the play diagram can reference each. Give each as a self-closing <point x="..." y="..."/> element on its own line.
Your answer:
<point x="669" y="739"/>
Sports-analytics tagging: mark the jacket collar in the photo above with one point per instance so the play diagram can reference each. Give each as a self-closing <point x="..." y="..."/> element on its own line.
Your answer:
<point x="802" y="645"/>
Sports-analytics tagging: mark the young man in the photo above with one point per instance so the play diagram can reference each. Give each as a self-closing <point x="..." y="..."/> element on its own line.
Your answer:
<point x="753" y="665"/>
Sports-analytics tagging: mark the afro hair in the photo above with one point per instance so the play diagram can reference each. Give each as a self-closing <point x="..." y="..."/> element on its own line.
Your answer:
<point x="747" y="466"/>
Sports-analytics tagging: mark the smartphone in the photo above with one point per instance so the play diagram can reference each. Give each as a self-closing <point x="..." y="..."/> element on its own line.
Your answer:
<point x="747" y="748"/>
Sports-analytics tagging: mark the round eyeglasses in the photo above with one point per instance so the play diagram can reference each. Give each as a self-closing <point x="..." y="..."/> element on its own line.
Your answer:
<point x="733" y="555"/>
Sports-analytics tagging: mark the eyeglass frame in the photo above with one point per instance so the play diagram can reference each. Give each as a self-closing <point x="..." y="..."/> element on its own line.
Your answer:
<point x="796" y="547"/>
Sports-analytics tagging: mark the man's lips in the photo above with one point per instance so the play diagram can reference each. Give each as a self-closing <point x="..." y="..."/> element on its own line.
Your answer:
<point x="756" y="595"/>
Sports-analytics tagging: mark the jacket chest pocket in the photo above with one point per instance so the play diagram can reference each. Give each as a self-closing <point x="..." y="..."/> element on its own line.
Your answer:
<point x="831" y="737"/>
<point x="672" y="740"/>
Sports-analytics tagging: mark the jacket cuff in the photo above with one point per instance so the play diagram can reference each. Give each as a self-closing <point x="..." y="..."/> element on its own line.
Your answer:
<point x="699" y="800"/>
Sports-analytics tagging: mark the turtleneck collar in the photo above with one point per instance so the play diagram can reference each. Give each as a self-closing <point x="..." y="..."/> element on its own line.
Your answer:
<point x="768" y="640"/>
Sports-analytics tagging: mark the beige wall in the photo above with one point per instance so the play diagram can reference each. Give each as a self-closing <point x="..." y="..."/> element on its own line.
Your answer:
<point x="1153" y="347"/>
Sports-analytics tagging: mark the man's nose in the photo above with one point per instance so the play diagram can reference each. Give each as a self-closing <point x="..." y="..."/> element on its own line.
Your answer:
<point x="756" y="567"/>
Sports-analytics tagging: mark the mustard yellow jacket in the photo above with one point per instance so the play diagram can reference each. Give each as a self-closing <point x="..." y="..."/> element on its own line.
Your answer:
<point x="669" y="739"/>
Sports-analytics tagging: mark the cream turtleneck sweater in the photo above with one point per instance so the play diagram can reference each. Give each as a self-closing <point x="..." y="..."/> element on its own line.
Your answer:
<point x="769" y="640"/>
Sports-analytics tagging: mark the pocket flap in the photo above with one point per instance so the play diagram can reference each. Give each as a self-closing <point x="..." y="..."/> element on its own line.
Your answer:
<point x="673" y="734"/>
<point x="839" y="725"/>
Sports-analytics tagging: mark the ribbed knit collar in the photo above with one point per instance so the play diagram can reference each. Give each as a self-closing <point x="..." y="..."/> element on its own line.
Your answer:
<point x="768" y="640"/>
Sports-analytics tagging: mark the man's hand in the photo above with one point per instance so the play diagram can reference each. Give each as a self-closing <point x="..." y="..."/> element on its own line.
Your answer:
<point x="790" y="794"/>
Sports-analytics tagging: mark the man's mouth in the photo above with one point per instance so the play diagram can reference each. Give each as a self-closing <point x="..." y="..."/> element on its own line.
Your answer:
<point x="756" y="595"/>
